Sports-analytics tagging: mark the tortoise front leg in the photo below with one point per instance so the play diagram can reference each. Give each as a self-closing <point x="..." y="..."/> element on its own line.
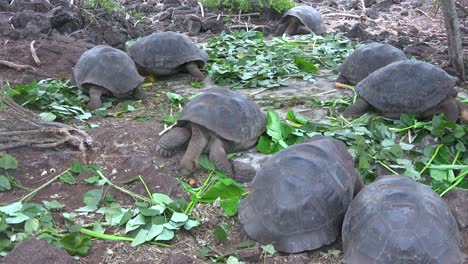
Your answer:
<point x="193" y="69"/>
<point x="138" y="93"/>
<point x="292" y="27"/>
<point x="281" y="28"/>
<point x="448" y="107"/>
<point x="463" y="109"/>
<point x="357" y="109"/>
<point x="95" y="93"/>
<point x="173" y="139"/>
<point x="302" y="30"/>
<point x="197" y="143"/>
<point x="218" y="156"/>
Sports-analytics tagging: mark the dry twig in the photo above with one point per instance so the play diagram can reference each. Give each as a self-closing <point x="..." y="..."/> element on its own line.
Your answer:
<point x="34" y="54"/>
<point x="15" y="66"/>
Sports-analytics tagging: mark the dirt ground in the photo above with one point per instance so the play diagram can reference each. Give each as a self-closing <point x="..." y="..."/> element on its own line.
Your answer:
<point x="126" y="147"/>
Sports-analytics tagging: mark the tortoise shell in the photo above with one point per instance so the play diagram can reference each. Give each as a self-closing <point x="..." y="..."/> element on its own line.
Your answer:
<point x="300" y="195"/>
<point x="229" y="114"/>
<point x="366" y="59"/>
<point x="410" y="87"/>
<point x="397" y="220"/>
<point x="109" y="68"/>
<point x="309" y="17"/>
<point x="162" y="53"/>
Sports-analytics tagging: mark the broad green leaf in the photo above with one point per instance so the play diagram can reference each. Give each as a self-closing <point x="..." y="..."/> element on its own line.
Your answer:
<point x="154" y="231"/>
<point x="178" y="217"/>
<point x="4" y="183"/>
<point x="8" y="162"/>
<point x="17" y="218"/>
<point x="11" y="209"/>
<point x="97" y="227"/>
<point x="76" y="243"/>
<point x="31" y="226"/>
<point x="47" y="116"/>
<point x="269" y="249"/>
<point x="190" y="224"/>
<point x="67" y="178"/>
<point x="140" y="237"/>
<point x="92" y="198"/>
<point x="162" y="198"/>
<point x="220" y="234"/>
<point x="53" y="205"/>
<point x="166" y="234"/>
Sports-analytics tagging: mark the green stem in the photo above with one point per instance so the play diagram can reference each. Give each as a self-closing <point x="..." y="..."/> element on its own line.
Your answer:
<point x="204" y="187"/>
<point x="31" y="194"/>
<point x="387" y="167"/>
<point x="146" y="187"/>
<point x="457" y="180"/>
<point x="134" y="195"/>
<point x="114" y="237"/>
<point x="432" y="158"/>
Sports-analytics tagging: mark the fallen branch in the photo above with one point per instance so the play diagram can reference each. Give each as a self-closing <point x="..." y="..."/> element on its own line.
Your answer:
<point x="15" y="66"/>
<point x="34" y="54"/>
<point x="351" y="15"/>
<point x="201" y="9"/>
<point x="21" y="127"/>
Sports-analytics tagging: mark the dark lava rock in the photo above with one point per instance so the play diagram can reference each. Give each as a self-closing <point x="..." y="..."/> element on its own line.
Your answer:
<point x="243" y="172"/>
<point x="30" y="23"/>
<point x="4" y="6"/>
<point x="420" y="50"/>
<point x="216" y="26"/>
<point x="383" y="6"/>
<point x="194" y="25"/>
<point x="180" y="259"/>
<point x="38" y="251"/>
<point x="358" y="31"/>
<point x="457" y="200"/>
<point x="41" y="6"/>
<point x="250" y="255"/>
<point x="404" y="13"/>
<point x="65" y="21"/>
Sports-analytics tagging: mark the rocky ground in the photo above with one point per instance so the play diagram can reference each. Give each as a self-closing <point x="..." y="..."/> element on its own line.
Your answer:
<point x="59" y="32"/>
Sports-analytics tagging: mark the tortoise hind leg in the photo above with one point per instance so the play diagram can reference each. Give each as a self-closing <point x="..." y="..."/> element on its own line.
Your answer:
<point x="218" y="156"/>
<point x="95" y="93"/>
<point x="463" y="109"/>
<point x="193" y="69"/>
<point x="197" y="144"/>
<point x="448" y="107"/>
<point x="357" y="109"/>
<point x="172" y="140"/>
<point x="138" y="93"/>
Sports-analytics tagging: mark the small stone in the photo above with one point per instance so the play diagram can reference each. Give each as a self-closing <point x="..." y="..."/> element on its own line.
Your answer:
<point x="250" y="255"/>
<point x="457" y="201"/>
<point x="404" y="13"/>
<point x="216" y="26"/>
<point x="243" y="172"/>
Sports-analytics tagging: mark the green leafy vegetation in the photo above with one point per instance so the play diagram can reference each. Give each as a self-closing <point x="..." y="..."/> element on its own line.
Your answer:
<point x="59" y="100"/>
<point x="375" y="142"/>
<point x="7" y="162"/>
<point x="245" y="5"/>
<point x="246" y="60"/>
<point x="107" y="5"/>
<point x="152" y="219"/>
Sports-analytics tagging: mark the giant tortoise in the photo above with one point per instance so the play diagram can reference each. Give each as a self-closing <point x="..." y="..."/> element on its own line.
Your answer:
<point x="166" y="53"/>
<point x="300" y="195"/>
<point x="301" y="20"/>
<point x="365" y="60"/>
<point x="104" y="70"/>
<point x="409" y="87"/>
<point x="217" y="121"/>
<point x="397" y="220"/>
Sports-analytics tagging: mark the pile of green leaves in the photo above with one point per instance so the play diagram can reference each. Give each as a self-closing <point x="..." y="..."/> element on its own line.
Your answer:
<point x="404" y="146"/>
<point x="57" y="98"/>
<point x="246" y="60"/>
<point x="7" y="162"/>
<point x="246" y="5"/>
<point x="217" y="187"/>
<point x="152" y="219"/>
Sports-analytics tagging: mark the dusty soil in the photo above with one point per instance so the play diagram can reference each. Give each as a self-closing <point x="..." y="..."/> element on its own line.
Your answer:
<point x="125" y="147"/>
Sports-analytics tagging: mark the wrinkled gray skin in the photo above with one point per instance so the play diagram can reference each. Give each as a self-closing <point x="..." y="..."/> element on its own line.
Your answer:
<point x="409" y="87"/>
<point x="104" y="70"/>
<point x="367" y="59"/>
<point x="167" y="53"/>
<point x="397" y="220"/>
<point x="217" y="122"/>
<point x="301" y="20"/>
<point x="300" y="195"/>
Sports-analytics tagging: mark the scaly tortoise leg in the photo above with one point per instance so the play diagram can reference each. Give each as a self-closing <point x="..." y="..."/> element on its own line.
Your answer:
<point x="138" y="93"/>
<point x="95" y="93"/>
<point x="193" y="69"/>
<point x="357" y="109"/>
<point x="173" y="139"/>
<point x="197" y="144"/>
<point x="448" y="107"/>
<point x="281" y="29"/>
<point x="218" y="156"/>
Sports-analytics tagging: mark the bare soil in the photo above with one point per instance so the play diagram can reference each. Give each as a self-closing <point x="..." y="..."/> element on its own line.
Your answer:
<point x="125" y="147"/>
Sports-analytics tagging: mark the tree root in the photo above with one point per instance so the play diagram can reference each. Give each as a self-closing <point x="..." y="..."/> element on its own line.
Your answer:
<point x="15" y="66"/>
